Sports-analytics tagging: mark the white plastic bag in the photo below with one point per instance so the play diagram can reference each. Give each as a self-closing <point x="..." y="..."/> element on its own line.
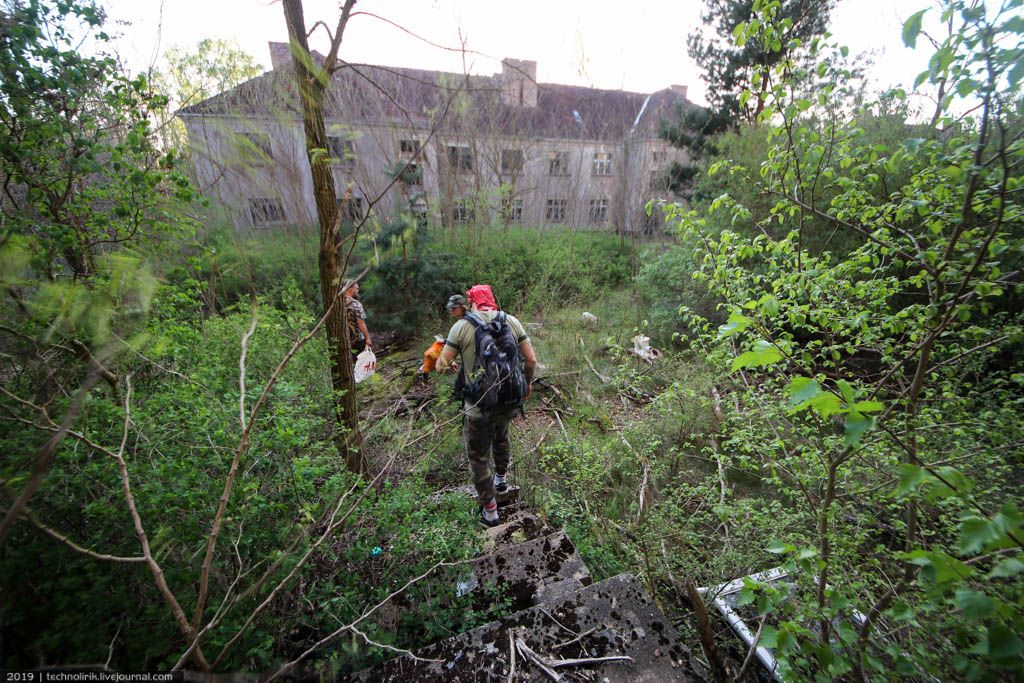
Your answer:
<point x="365" y="365"/>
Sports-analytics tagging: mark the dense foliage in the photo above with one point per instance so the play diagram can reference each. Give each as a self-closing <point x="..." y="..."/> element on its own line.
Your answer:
<point x="878" y="390"/>
<point x="840" y="391"/>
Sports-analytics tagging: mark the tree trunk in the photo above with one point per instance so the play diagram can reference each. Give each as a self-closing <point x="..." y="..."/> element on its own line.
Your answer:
<point x="311" y="89"/>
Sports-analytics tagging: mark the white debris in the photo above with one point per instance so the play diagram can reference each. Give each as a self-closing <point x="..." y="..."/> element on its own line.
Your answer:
<point x="589" y="317"/>
<point x="642" y="349"/>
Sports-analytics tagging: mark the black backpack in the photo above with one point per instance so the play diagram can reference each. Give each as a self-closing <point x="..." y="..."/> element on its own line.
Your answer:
<point x="497" y="380"/>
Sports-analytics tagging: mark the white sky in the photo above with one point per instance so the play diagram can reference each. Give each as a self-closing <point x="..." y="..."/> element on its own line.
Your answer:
<point x="638" y="46"/>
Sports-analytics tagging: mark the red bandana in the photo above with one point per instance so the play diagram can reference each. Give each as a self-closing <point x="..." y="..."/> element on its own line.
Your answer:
<point x="482" y="296"/>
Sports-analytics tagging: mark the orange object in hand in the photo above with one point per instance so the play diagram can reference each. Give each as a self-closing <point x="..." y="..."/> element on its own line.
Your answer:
<point x="431" y="355"/>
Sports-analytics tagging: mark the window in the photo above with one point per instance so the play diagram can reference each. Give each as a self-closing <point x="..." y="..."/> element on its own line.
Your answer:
<point x="558" y="163"/>
<point x="463" y="212"/>
<point x="412" y="176"/>
<point x="460" y="158"/>
<point x="351" y="209"/>
<point x="409" y="147"/>
<point x="255" y="147"/>
<point x="658" y="182"/>
<point x="556" y="210"/>
<point x="650" y="223"/>
<point x="598" y="210"/>
<point x="418" y="207"/>
<point x="602" y="163"/>
<point x="266" y="211"/>
<point x="341" y="151"/>
<point x="512" y="210"/>
<point x="511" y="160"/>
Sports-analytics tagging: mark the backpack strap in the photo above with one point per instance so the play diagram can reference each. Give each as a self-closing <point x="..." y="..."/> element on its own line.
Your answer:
<point x="474" y="319"/>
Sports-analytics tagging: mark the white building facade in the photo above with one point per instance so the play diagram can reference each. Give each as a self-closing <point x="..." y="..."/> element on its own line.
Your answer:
<point x="450" y="148"/>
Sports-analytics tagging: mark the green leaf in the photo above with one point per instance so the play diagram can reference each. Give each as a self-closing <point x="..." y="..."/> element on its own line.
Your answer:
<point x="938" y="567"/>
<point x="826" y="405"/>
<point x="1016" y="73"/>
<point x="975" y="533"/>
<point x="911" y="477"/>
<point x="763" y="354"/>
<point x="779" y="548"/>
<point x="769" y="637"/>
<point x="1004" y="646"/>
<point x="867" y="406"/>
<point x="911" y="28"/>
<point x="737" y="322"/>
<point x="973" y="604"/>
<point x="802" y="389"/>
<point x="745" y="597"/>
<point x="856" y="425"/>
<point x="1006" y="569"/>
<point x="849" y="395"/>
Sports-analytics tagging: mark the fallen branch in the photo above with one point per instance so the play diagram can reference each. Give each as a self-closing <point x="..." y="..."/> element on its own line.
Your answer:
<point x="287" y="666"/>
<point x="511" y="656"/>
<point x="642" y="494"/>
<point x="537" y="660"/>
<point x="548" y="664"/>
<point x="753" y="648"/>
<point x="577" y="639"/>
<point x="604" y="380"/>
<point x="584" y="661"/>
<point x="707" y="634"/>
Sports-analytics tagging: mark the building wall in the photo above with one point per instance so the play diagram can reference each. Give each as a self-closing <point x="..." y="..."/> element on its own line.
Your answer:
<point x="227" y="170"/>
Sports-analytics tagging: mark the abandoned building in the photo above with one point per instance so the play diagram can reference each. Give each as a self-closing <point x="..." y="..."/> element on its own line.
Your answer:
<point x="444" y="147"/>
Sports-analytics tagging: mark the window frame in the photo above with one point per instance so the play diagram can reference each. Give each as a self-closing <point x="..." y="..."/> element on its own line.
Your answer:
<point x="512" y="209"/>
<point x="513" y="161"/>
<point x="460" y="158"/>
<point x="599" y="210"/>
<point x="463" y="211"/>
<point x="555" y="210"/>
<point x="414" y="143"/>
<point x="558" y="163"/>
<point x="259" y="141"/>
<point x="353" y="207"/>
<point x="602" y="164"/>
<point x="271" y="209"/>
<point x="347" y="157"/>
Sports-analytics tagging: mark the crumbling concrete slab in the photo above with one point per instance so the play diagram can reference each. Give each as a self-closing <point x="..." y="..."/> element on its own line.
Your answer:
<point x="519" y="570"/>
<point x="517" y="527"/>
<point x="553" y="592"/>
<point x="613" y="617"/>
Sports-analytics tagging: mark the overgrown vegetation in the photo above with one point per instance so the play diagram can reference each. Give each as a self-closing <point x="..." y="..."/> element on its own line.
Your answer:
<point x="840" y="391"/>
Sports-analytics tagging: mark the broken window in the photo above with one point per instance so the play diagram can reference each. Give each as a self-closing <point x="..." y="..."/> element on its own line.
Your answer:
<point x="558" y="163"/>
<point x="556" y="210"/>
<point x="511" y="160"/>
<point x="266" y="211"/>
<point x="460" y="158"/>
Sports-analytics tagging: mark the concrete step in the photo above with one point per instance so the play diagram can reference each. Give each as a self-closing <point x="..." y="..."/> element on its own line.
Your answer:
<point x="519" y="571"/>
<point x="613" y="617"/>
<point x="516" y="527"/>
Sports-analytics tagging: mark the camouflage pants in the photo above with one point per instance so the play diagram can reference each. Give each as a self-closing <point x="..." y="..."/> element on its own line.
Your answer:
<point x="485" y="434"/>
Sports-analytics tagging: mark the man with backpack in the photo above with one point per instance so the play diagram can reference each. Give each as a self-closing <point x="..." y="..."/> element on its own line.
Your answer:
<point x="497" y="367"/>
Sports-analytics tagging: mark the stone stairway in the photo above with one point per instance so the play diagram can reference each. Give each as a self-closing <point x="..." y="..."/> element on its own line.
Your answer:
<point x="560" y="618"/>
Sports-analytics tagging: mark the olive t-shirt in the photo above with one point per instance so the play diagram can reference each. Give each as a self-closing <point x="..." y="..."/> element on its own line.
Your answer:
<point x="462" y="336"/>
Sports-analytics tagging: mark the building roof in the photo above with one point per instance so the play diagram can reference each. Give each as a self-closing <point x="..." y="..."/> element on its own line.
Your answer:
<point x="415" y="97"/>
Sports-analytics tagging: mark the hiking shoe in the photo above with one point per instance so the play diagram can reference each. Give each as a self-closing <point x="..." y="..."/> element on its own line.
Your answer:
<point x="500" y="486"/>
<point x="487" y="523"/>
